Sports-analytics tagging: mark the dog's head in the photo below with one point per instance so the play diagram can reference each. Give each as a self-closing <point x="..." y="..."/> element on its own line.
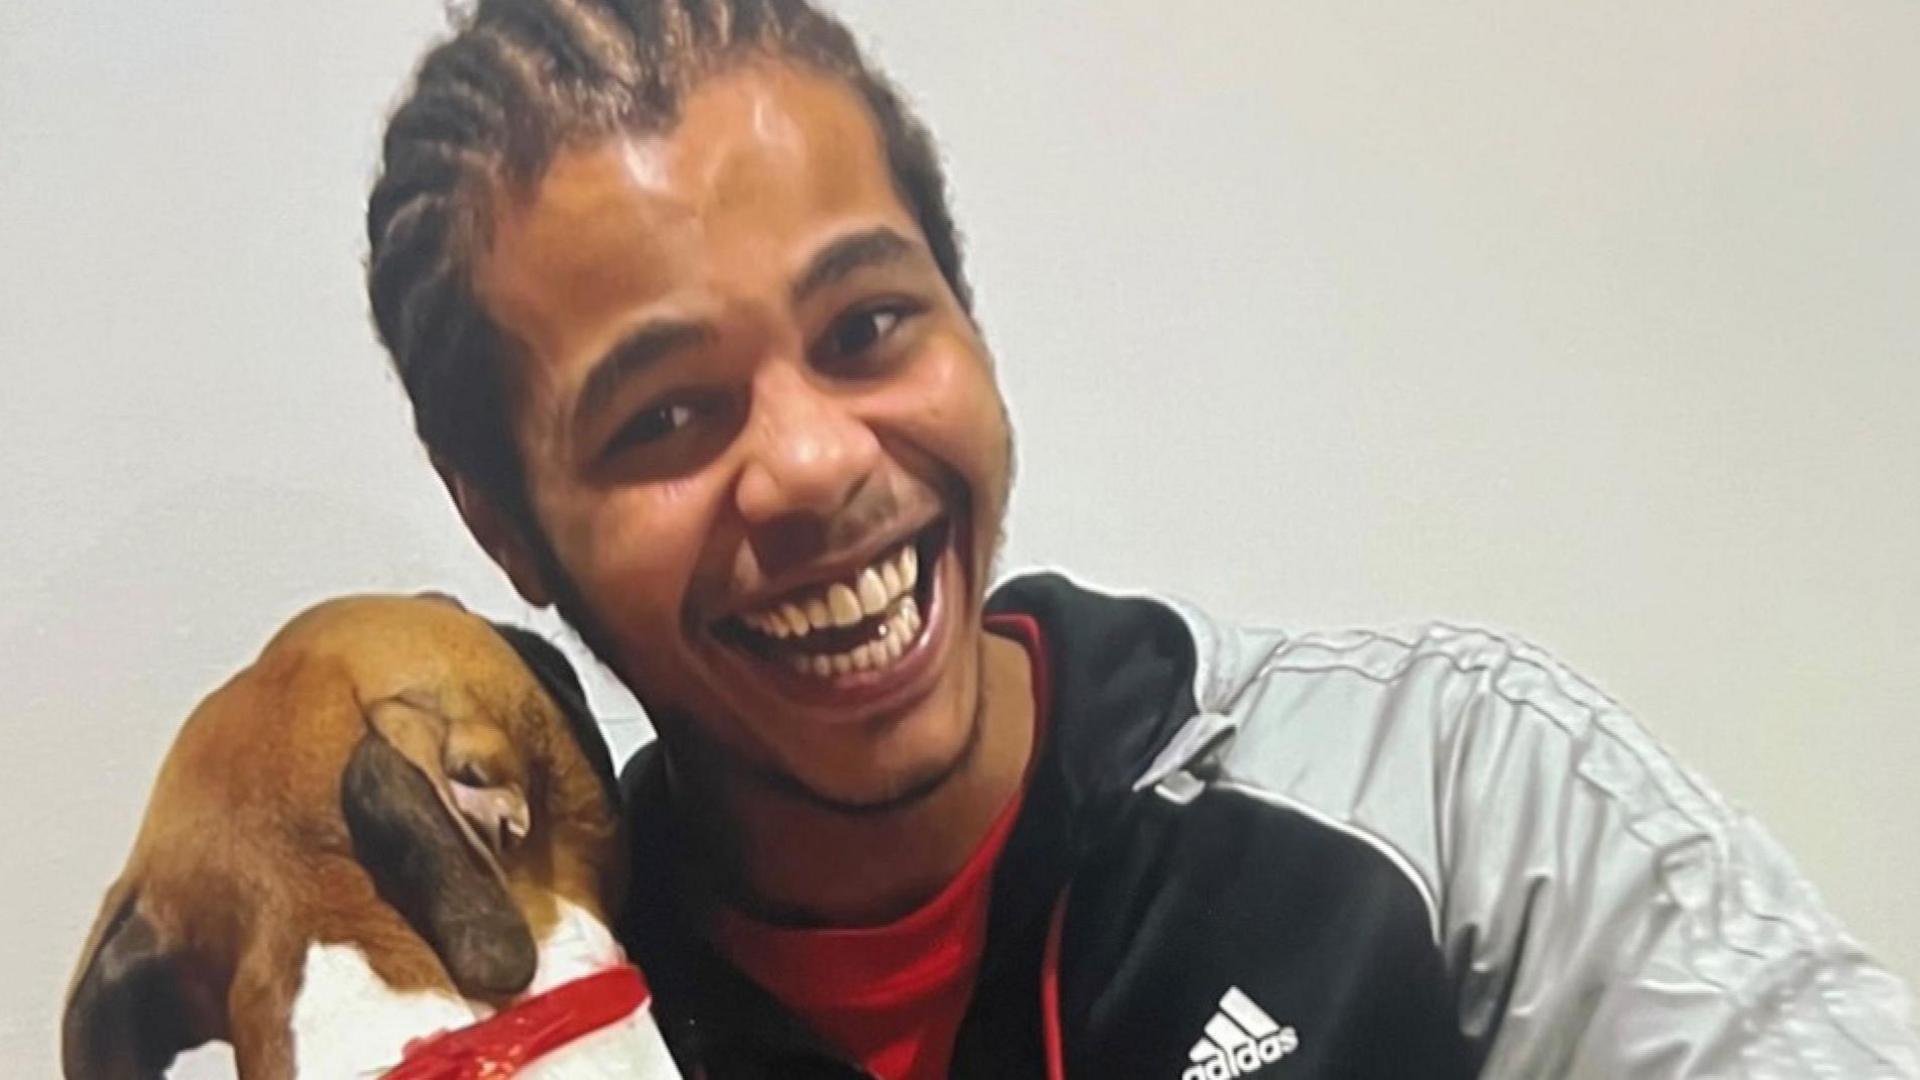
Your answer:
<point x="392" y="774"/>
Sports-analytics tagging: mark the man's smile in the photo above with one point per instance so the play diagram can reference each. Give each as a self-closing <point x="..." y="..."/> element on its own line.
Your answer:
<point x="853" y="639"/>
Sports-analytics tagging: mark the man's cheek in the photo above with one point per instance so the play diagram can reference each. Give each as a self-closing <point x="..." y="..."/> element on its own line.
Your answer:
<point x="954" y="411"/>
<point x="643" y="546"/>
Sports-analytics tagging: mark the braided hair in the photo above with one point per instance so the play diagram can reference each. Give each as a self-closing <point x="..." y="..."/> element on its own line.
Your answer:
<point x="488" y="110"/>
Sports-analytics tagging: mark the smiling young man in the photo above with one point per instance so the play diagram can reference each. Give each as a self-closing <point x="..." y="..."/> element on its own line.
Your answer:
<point x="677" y="299"/>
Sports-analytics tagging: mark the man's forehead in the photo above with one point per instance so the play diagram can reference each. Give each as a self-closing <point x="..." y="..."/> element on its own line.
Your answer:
<point x="767" y="121"/>
<point x="759" y="154"/>
<point x="767" y="166"/>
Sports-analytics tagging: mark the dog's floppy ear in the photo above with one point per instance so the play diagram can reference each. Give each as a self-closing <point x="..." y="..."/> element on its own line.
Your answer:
<point x="124" y="1017"/>
<point x="423" y="863"/>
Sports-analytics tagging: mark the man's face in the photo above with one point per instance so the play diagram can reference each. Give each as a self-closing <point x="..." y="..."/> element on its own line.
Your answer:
<point x="761" y="437"/>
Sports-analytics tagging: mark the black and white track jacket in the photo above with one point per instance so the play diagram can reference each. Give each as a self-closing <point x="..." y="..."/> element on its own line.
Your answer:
<point x="1430" y="855"/>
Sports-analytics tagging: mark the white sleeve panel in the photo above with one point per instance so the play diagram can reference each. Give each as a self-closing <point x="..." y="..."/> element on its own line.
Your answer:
<point x="1605" y="913"/>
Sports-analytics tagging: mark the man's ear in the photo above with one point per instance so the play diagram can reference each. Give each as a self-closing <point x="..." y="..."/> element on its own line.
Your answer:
<point x="502" y="537"/>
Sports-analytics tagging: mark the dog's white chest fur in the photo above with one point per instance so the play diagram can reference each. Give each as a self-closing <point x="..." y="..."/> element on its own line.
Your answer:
<point x="348" y="1025"/>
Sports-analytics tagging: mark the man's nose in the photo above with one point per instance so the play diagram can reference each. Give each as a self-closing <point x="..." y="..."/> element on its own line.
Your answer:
<point x="808" y="452"/>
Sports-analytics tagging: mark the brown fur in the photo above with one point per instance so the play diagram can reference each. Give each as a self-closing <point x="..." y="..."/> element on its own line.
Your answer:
<point x="244" y="857"/>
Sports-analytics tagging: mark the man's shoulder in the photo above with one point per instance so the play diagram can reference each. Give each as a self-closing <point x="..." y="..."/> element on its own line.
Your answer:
<point x="1237" y="664"/>
<point x="1438" y="670"/>
<point x="1394" y="732"/>
<point x="1394" y="722"/>
<point x="1323" y="713"/>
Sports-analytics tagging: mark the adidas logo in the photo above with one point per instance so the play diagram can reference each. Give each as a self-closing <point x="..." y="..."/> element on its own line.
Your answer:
<point x="1241" y="1038"/>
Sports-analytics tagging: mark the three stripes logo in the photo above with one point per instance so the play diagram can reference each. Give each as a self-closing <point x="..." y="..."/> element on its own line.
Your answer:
<point x="1240" y="1038"/>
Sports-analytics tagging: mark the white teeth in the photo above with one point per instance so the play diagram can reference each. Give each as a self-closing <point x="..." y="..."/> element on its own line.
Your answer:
<point x="907" y="566"/>
<point x="844" y="603"/>
<point x="817" y="613"/>
<point x="883" y="590"/>
<point x="868" y="593"/>
<point x="892" y="638"/>
<point x="874" y="596"/>
<point x="793" y="619"/>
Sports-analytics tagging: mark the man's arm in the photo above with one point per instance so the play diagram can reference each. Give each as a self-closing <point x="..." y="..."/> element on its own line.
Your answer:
<point x="1601" y="912"/>
<point x="1609" y="915"/>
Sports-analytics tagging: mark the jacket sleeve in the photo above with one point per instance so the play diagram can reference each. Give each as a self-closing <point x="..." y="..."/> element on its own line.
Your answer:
<point x="1607" y="915"/>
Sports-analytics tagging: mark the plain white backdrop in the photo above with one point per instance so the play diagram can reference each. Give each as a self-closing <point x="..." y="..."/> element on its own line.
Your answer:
<point x="1593" y="321"/>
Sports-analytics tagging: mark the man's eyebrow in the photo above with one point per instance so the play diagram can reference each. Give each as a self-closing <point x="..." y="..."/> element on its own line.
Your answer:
<point x="635" y="353"/>
<point x="872" y="247"/>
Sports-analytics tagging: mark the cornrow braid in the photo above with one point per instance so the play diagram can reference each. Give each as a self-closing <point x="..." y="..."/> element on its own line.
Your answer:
<point x="488" y="109"/>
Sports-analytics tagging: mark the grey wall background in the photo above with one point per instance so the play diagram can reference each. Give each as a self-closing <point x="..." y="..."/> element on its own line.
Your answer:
<point x="1589" y="320"/>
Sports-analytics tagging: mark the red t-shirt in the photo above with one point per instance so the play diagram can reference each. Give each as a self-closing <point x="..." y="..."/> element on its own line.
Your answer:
<point x="892" y="997"/>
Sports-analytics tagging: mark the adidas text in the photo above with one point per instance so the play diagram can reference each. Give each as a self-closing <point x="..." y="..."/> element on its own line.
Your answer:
<point x="1240" y="1039"/>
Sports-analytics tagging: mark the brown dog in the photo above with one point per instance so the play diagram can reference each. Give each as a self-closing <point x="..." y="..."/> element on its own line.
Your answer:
<point x="396" y="789"/>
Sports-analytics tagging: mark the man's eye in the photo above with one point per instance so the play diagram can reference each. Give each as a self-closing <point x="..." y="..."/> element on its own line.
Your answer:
<point x="860" y="331"/>
<point x="652" y="425"/>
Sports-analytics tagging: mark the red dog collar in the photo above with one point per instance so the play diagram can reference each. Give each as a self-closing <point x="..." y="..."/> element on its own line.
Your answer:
<point x="501" y="1045"/>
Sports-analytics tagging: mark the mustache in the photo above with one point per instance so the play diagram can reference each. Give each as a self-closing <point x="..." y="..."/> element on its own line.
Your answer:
<point x="873" y="512"/>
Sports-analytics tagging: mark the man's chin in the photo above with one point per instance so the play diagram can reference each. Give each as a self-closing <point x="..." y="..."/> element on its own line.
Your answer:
<point x="879" y="792"/>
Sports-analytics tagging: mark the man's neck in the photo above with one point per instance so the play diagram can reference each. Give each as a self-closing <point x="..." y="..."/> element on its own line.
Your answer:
<point x="808" y="863"/>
